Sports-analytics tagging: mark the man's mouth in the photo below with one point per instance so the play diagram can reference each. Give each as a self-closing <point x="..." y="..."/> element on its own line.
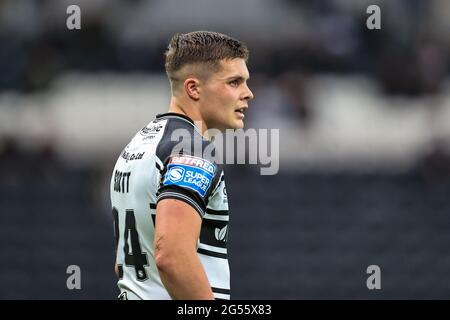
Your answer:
<point x="241" y="111"/>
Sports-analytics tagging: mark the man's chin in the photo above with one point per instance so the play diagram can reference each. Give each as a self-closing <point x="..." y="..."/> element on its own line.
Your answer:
<point x="235" y="125"/>
<point x="239" y="124"/>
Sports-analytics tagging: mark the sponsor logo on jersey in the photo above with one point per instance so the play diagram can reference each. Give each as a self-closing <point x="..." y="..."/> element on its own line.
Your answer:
<point x="150" y="129"/>
<point x="225" y="196"/>
<point x="195" y="162"/>
<point x="214" y="233"/>
<point x="190" y="172"/>
<point x="148" y="138"/>
<point x="220" y="234"/>
<point x="132" y="156"/>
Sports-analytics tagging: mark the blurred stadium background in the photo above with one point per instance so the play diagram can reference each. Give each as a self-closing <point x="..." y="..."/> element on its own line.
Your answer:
<point x="364" y="119"/>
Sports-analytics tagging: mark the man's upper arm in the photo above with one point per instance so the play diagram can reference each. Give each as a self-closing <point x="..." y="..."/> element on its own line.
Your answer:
<point x="177" y="226"/>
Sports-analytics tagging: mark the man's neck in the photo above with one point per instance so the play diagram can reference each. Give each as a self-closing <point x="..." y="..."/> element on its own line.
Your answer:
<point x="189" y="111"/>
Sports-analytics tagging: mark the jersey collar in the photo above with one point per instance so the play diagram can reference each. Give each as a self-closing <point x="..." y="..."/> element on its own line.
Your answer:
<point x="179" y="116"/>
<point x="174" y="114"/>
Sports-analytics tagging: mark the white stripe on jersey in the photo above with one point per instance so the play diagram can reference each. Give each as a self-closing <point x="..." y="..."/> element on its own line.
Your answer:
<point x="222" y="296"/>
<point x="212" y="248"/>
<point x="215" y="217"/>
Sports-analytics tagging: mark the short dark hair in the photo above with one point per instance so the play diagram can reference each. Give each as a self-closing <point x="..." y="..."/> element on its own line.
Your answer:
<point x="201" y="47"/>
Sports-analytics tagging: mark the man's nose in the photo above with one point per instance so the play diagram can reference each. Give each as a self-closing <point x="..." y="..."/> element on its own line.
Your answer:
<point x="248" y="93"/>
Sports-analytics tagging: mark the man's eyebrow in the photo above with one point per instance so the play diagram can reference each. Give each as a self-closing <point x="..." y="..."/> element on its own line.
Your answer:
<point x="237" y="77"/>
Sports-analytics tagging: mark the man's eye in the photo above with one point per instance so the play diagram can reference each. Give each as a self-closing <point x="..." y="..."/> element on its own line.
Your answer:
<point x="234" y="83"/>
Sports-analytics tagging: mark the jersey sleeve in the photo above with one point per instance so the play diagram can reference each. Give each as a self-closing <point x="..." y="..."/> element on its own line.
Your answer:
<point x="190" y="179"/>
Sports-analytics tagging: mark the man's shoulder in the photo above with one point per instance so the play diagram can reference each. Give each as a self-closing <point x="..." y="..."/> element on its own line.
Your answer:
<point x="181" y="137"/>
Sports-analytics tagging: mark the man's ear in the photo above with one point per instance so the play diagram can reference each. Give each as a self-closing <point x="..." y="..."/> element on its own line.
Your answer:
<point x="192" y="88"/>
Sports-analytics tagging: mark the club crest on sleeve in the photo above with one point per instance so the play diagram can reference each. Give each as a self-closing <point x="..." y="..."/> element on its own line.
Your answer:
<point x="190" y="172"/>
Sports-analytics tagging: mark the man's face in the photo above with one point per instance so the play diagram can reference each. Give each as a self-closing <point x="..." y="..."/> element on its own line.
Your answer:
<point x="225" y="95"/>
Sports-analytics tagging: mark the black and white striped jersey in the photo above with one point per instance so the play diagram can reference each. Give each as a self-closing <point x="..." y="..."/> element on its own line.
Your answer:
<point x="167" y="159"/>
